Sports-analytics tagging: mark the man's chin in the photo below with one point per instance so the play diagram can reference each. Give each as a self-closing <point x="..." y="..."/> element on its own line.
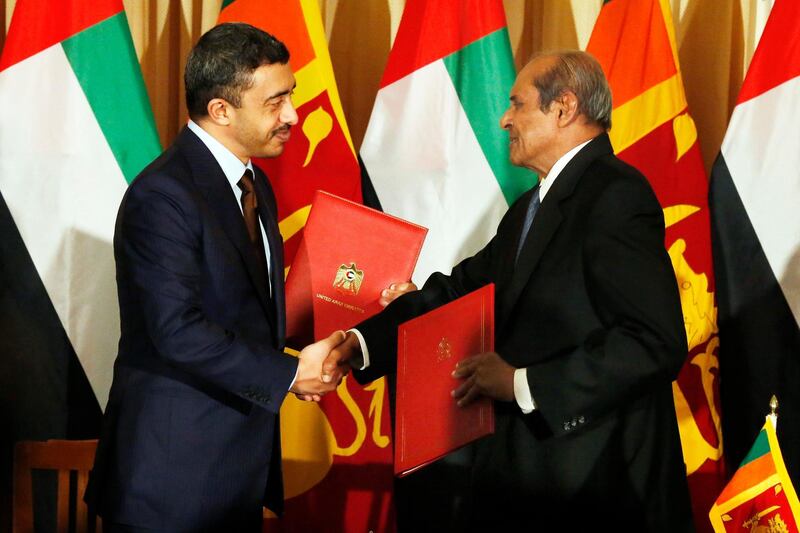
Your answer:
<point x="270" y="152"/>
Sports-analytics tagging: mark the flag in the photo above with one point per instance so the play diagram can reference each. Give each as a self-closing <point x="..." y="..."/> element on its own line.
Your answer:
<point x="652" y="130"/>
<point x="754" y="197"/>
<point x="80" y="130"/>
<point x="77" y="128"/>
<point x="433" y="147"/>
<point x="321" y="154"/>
<point x="760" y="496"/>
<point x="337" y="458"/>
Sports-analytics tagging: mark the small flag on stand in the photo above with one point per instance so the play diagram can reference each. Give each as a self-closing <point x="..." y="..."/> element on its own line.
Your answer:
<point x="760" y="496"/>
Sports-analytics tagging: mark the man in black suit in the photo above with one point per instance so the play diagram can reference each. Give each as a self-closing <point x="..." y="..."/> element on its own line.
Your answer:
<point x="589" y="331"/>
<point x="191" y="432"/>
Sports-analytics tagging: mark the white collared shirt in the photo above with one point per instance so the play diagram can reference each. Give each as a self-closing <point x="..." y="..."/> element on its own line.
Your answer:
<point x="233" y="169"/>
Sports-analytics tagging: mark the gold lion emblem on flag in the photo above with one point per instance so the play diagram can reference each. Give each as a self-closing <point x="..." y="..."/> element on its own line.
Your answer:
<point x="348" y="279"/>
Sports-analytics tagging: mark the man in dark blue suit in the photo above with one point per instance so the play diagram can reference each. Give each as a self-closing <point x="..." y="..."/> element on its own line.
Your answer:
<point x="191" y="434"/>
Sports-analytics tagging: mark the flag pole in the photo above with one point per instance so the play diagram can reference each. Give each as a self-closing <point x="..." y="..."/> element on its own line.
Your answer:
<point x="773" y="411"/>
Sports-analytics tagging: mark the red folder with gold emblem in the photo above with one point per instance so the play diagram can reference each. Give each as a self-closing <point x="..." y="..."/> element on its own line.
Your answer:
<point x="348" y="255"/>
<point x="429" y="424"/>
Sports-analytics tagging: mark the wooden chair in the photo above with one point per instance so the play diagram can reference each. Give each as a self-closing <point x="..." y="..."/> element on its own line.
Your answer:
<point x="69" y="458"/>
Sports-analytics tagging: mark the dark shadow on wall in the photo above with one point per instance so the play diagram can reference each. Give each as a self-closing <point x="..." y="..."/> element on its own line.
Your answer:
<point x="712" y="79"/>
<point x="359" y="58"/>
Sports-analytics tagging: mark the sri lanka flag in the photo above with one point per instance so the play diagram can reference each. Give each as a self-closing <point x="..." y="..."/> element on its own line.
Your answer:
<point x="337" y="458"/>
<point x="760" y="496"/>
<point x="634" y="40"/>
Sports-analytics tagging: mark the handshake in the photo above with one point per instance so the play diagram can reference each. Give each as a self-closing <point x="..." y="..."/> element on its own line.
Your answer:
<point x="324" y="364"/>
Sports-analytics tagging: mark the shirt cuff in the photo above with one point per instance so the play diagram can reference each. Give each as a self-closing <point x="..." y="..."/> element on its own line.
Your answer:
<point x="522" y="392"/>
<point x="364" y="351"/>
<point x="296" y="372"/>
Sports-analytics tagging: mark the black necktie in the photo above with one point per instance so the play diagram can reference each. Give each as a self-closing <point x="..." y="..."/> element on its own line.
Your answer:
<point x="526" y="227"/>
<point x="250" y="212"/>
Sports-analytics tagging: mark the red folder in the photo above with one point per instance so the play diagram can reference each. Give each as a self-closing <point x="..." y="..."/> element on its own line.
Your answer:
<point x="348" y="255"/>
<point x="429" y="424"/>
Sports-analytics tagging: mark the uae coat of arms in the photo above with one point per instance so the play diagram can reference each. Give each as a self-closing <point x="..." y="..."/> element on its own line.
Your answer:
<point x="348" y="279"/>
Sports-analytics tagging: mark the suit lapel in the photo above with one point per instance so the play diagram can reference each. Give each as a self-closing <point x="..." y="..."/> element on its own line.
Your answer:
<point x="547" y="220"/>
<point x="215" y="187"/>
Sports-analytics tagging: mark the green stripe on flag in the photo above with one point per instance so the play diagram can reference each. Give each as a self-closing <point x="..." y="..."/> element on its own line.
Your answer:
<point x="104" y="61"/>
<point x="759" y="449"/>
<point x="483" y="73"/>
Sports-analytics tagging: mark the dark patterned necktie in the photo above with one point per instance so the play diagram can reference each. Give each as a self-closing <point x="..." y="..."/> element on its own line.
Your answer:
<point x="526" y="227"/>
<point x="250" y="212"/>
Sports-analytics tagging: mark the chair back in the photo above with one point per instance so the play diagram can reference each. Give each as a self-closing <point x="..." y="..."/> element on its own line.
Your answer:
<point x="72" y="459"/>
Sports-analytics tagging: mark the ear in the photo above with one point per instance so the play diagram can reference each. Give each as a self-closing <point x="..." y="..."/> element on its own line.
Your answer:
<point x="567" y="108"/>
<point x="219" y="111"/>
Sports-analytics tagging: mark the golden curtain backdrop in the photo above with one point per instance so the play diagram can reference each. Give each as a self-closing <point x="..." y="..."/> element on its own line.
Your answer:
<point x="715" y="39"/>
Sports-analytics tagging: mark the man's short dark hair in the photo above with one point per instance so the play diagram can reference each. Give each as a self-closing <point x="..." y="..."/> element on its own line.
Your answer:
<point x="222" y="63"/>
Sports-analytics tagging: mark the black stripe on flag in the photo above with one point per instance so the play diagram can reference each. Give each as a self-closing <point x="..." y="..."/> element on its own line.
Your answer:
<point x="759" y="337"/>
<point x="44" y="392"/>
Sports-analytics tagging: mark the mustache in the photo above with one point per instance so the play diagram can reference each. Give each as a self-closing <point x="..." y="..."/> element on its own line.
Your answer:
<point x="281" y="129"/>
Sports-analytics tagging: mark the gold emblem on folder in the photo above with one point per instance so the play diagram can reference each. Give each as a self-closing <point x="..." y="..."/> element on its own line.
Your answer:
<point x="348" y="279"/>
<point x="443" y="350"/>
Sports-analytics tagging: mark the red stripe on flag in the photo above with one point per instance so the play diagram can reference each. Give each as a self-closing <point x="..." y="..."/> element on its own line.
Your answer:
<point x="433" y="29"/>
<point x="777" y="58"/>
<point x="39" y="24"/>
<point x="332" y="168"/>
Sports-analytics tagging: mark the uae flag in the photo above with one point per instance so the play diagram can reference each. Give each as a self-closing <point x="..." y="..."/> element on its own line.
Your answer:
<point x="634" y="41"/>
<point x="337" y="455"/>
<point x="755" y="205"/>
<point x="77" y="128"/>
<point x="434" y="148"/>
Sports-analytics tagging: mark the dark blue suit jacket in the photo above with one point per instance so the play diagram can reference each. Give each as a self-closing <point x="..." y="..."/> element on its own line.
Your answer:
<point x="191" y="434"/>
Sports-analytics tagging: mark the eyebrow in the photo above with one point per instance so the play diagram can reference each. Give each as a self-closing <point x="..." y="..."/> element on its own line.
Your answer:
<point x="282" y="93"/>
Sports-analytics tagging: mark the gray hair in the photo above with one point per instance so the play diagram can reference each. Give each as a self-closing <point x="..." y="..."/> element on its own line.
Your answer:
<point x="581" y="74"/>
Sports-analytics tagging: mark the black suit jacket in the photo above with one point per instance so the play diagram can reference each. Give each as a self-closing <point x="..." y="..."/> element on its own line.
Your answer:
<point x="592" y="311"/>
<point x="191" y="435"/>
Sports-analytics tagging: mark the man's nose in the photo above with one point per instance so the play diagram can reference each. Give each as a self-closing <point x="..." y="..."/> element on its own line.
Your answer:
<point x="505" y="121"/>
<point x="288" y="113"/>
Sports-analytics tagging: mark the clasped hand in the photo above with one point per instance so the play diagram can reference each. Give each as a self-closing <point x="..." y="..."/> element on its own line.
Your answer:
<point x="309" y="385"/>
<point x="324" y="364"/>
